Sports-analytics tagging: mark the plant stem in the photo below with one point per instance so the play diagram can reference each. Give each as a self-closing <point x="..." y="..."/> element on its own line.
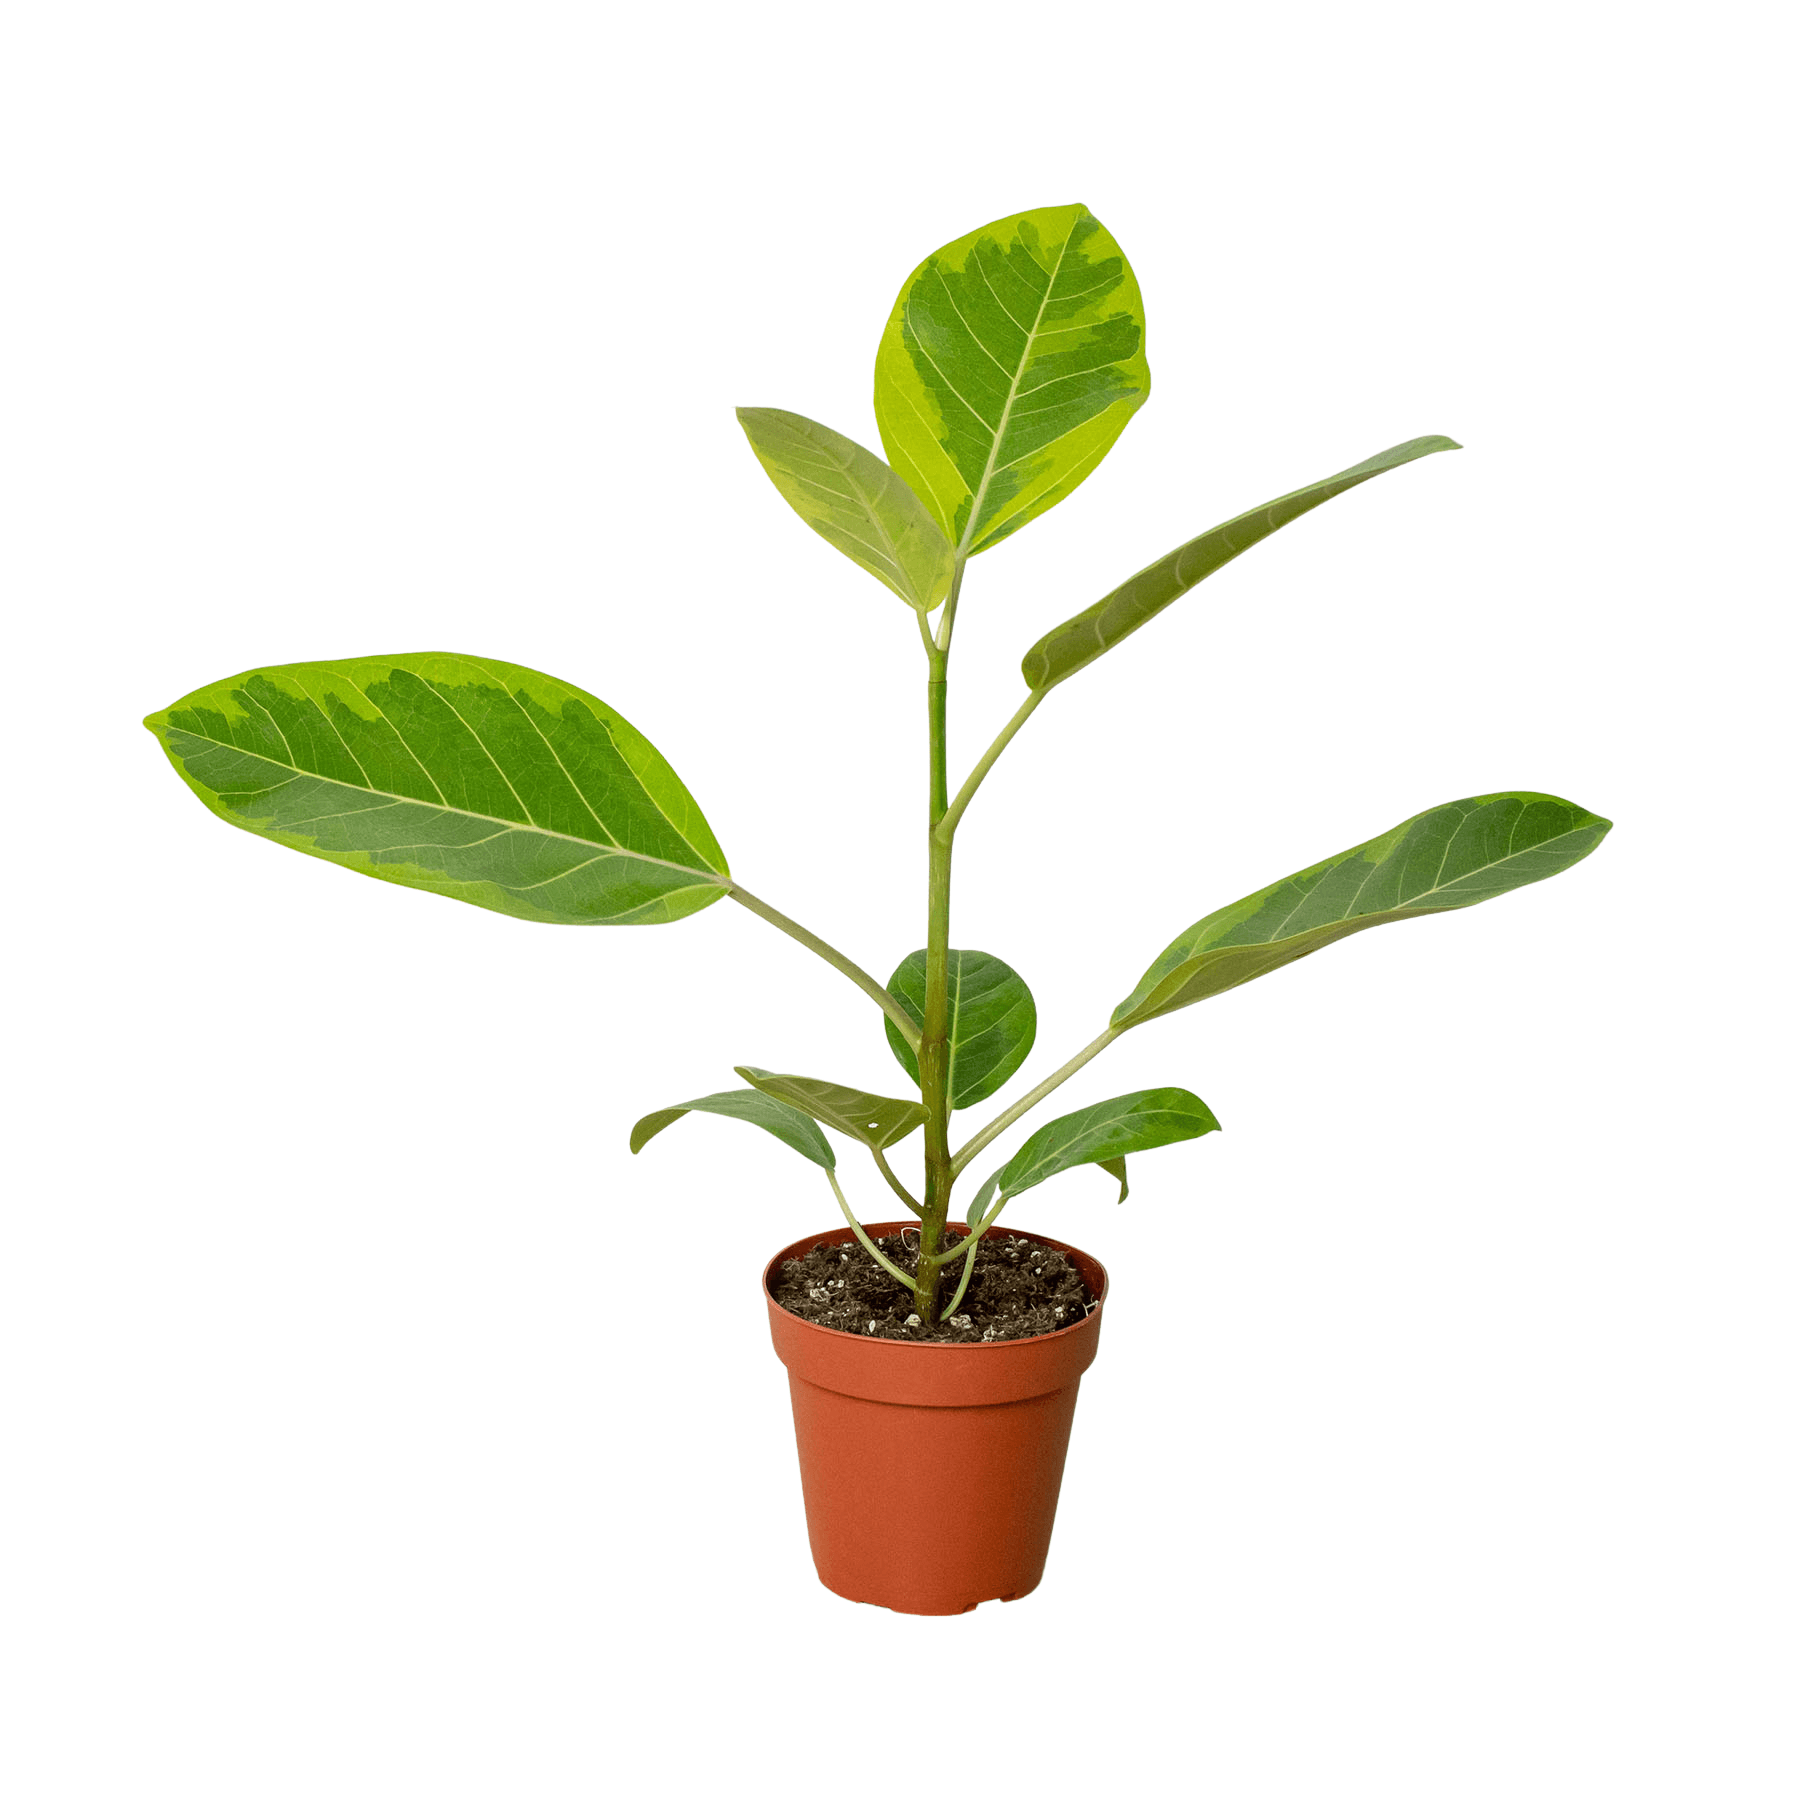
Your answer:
<point x="947" y="825"/>
<point x="1020" y="1108"/>
<point x="817" y="945"/>
<point x="863" y="1238"/>
<point x="934" y="1036"/>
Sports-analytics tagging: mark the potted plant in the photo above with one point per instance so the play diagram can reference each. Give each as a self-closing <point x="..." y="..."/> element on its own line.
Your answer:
<point x="934" y="1381"/>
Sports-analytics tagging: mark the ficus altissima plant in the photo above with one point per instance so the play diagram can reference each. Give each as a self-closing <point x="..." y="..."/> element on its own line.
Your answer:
<point x="1012" y="361"/>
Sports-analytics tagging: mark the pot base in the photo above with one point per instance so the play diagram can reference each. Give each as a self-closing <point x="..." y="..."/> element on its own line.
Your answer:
<point x="925" y="1612"/>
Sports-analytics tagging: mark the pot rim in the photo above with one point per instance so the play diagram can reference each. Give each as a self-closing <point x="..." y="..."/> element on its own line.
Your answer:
<point x="801" y="1245"/>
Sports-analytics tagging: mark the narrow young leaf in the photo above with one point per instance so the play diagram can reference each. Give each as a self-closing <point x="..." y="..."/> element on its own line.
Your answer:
<point x="854" y="501"/>
<point x="1011" y="363"/>
<point x="993" y="1021"/>
<point x="978" y="1207"/>
<point x="776" y="1117"/>
<point x="1453" y="856"/>
<point x="1106" y="1134"/>
<point x="871" y="1119"/>
<point x="468" y="777"/>
<point x="1078" y="641"/>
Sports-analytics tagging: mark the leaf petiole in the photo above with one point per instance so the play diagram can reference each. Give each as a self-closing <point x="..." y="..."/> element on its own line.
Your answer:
<point x="968" y="1244"/>
<point x="946" y="826"/>
<point x="901" y="1018"/>
<point x="863" y="1238"/>
<point x="947" y="618"/>
<point x="894" y="1181"/>
<point x="1019" y="1108"/>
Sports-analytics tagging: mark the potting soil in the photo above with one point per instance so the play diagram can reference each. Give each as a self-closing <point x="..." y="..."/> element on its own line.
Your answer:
<point x="1019" y="1289"/>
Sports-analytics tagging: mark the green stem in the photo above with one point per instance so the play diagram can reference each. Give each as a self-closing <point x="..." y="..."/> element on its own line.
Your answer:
<point x="863" y="1238"/>
<point x="947" y="825"/>
<point x="934" y="1035"/>
<point x="1019" y="1108"/>
<point x="817" y="945"/>
<point x="894" y="1181"/>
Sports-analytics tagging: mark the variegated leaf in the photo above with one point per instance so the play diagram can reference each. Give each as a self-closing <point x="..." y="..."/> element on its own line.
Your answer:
<point x="854" y="501"/>
<point x="1011" y="363"/>
<point x="1453" y="856"/>
<point x="1078" y="641"/>
<point x="465" y="776"/>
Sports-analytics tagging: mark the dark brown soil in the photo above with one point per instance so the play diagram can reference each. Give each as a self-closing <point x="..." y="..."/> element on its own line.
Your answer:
<point x="1019" y="1289"/>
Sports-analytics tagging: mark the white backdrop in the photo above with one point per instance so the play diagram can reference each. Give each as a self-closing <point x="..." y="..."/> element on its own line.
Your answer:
<point x="375" y="1425"/>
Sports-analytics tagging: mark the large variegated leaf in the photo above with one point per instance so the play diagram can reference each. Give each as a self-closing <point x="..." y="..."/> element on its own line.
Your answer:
<point x="854" y="501"/>
<point x="993" y="1020"/>
<point x="1076" y="642"/>
<point x="1106" y="1134"/>
<point x="1452" y="856"/>
<point x="776" y="1117"/>
<point x="457" y="774"/>
<point x="871" y="1119"/>
<point x="1012" y="361"/>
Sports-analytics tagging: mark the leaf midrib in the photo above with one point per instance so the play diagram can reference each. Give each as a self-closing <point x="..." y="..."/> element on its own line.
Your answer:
<point x="864" y="504"/>
<point x="1412" y="909"/>
<point x="707" y="876"/>
<point x="1012" y="393"/>
<point x="1414" y="904"/>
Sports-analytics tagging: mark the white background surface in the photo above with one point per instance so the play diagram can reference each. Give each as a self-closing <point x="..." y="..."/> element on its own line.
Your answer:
<point x="376" y="1426"/>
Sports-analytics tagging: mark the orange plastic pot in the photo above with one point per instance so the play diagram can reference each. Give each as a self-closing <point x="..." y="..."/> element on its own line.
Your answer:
<point x="931" y="1471"/>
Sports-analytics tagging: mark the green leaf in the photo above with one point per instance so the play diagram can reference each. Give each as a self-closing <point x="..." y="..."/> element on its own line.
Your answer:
<point x="1078" y="641"/>
<point x="1452" y="856"/>
<point x="854" y="501"/>
<point x="1115" y="1167"/>
<point x="1106" y="1134"/>
<point x="871" y="1119"/>
<point x="993" y="1020"/>
<point x="460" y="775"/>
<point x="777" y="1118"/>
<point x="1011" y="362"/>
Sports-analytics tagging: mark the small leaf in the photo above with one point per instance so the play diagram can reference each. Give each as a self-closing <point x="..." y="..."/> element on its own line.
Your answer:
<point x="1078" y="641"/>
<point x="1115" y="1167"/>
<point x="1106" y="1134"/>
<point x="1453" y="856"/>
<point x="467" y="777"/>
<point x="993" y="1021"/>
<point x="777" y="1118"/>
<point x="1011" y="363"/>
<point x="854" y="501"/>
<point x="871" y="1119"/>
<point x="978" y="1207"/>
